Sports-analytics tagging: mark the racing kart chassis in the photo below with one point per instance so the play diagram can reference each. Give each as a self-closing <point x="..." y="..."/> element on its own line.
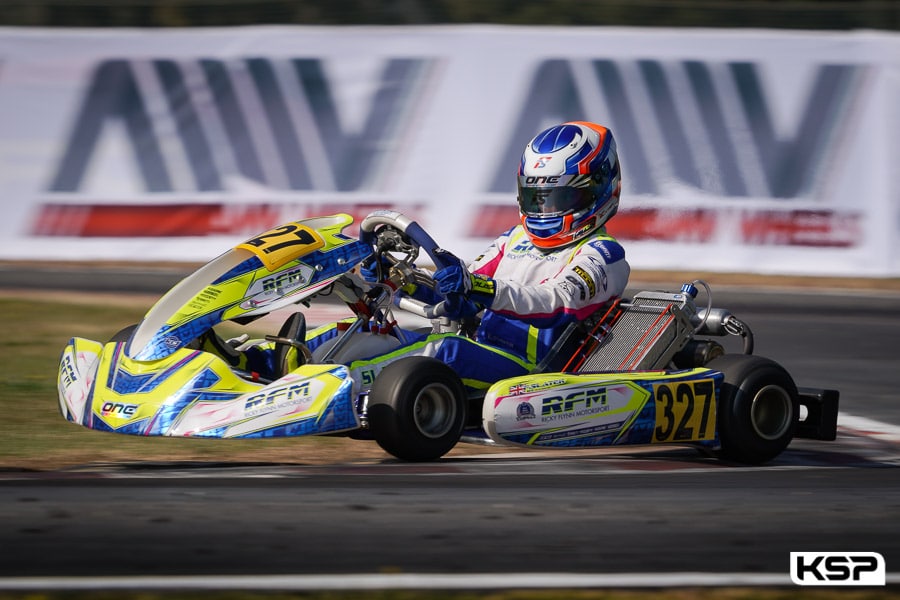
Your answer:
<point x="646" y="371"/>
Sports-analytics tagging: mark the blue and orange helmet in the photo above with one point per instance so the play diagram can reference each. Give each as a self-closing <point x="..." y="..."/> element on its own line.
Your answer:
<point x="569" y="183"/>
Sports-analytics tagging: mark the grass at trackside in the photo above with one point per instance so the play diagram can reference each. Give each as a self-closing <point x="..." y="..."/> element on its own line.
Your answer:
<point x="31" y="428"/>
<point x="33" y="434"/>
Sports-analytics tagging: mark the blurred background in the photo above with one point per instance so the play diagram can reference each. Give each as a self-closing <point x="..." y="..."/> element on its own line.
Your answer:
<point x="789" y="14"/>
<point x="755" y="135"/>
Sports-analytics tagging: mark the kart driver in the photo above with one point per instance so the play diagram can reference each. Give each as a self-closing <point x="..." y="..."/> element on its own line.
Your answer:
<point x="557" y="266"/>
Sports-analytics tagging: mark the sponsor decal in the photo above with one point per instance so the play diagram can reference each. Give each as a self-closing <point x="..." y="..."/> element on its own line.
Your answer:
<point x="601" y="268"/>
<point x="207" y="296"/>
<point x="602" y="248"/>
<point x="67" y="371"/>
<point x="572" y="411"/>
<point x="288" y="279"/>
<point x="570" y="284"/>
<point x="269" y="289"/>
<point x="584" y="229"/>
<point x="580" y="403"/>
<point x="529" y="388"/>
<point x="525" y="412"/>
<point x="542" y="179"/>
<point x="483" y="285"/>
<point x="118" y="409"/>
<point x="588" y="280"/>
<point x="294" y="394"/>
<point x="525" y="249"/>
<point x="580" y="432"/>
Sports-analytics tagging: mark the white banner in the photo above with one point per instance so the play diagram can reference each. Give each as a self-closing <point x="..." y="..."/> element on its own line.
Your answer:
<point x="748" y="151"/>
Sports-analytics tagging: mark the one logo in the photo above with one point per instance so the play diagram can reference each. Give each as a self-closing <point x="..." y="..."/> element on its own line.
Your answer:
<point x="837" y="568"/>
<point x="118" y="409"/>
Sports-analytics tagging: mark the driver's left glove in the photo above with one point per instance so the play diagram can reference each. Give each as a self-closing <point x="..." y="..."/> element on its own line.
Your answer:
<point x="370" y="270"/>
<point x="458" y="307"/>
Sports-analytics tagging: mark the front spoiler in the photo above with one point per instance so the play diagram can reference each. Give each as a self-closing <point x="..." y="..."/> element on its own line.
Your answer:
<point x="191" y="393"/>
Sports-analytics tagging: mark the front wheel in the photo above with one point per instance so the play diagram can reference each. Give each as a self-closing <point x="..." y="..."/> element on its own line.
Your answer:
<point x="417" y="408"/>
<point x="124" y="334"/>
<point x="758" y="408"/>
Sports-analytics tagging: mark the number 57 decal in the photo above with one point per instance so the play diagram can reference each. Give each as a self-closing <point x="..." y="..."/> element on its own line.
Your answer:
<point x="685" y="411"/>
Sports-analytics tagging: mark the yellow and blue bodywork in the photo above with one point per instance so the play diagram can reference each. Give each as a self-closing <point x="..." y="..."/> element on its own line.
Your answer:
<point x="154" y="384"/>
<point x="196" y="394"/>
<point x="604" y="409"/>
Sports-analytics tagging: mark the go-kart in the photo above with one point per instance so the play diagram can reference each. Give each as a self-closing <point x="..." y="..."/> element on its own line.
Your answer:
<point x="645" y="370"/>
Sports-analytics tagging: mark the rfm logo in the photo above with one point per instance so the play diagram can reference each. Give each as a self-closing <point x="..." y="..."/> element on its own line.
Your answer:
<point x="837" y="568"/>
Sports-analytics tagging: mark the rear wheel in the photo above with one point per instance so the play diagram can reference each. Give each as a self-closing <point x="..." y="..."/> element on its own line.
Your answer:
<point x="758" y="408"/>
<point x="417" y="408"/>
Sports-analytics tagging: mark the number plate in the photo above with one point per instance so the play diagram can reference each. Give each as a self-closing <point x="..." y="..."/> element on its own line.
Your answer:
<point x="283" y="244"/>
<point x="685" y="411"/>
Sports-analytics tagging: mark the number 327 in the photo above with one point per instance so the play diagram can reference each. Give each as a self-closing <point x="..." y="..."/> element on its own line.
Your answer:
<point x="685" y="411"/>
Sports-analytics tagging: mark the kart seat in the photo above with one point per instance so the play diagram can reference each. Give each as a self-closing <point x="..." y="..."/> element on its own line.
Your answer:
<point x="290" y="347"/>
<point x="580" y="339"/>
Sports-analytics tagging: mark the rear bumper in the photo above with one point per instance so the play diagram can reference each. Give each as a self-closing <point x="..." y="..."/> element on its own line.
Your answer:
<point x="820" y="422"/>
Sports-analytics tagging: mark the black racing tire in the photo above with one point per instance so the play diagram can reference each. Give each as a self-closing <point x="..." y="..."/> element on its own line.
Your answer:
<point x="124" y="334"/>
<point x="758" y="408"/>
<point x="417" y="409"/>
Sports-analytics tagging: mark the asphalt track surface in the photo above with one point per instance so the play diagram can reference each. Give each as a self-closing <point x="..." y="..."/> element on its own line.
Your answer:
<point x="597" y="512"/>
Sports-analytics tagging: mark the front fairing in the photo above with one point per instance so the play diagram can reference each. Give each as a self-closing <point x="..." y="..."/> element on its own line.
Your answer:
<point x="277" y="268"/>
<point x="191" y="393"/>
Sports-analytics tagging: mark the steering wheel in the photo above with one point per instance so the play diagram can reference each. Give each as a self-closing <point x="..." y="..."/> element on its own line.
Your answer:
<point x="389" y="230"/>
<point x="410" y="232"/>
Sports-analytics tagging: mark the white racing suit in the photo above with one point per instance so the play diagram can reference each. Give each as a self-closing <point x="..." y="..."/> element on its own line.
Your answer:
<point x="536" y="294"/>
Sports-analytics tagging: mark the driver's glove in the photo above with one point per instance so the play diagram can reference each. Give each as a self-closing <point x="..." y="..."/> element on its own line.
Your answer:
<point x="455" y="279"/>
<point x="458" y="307"/>
<point x="369" y="270"/>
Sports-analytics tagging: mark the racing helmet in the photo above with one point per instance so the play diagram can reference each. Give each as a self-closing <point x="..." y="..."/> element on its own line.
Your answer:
<point x="569" y="183"/>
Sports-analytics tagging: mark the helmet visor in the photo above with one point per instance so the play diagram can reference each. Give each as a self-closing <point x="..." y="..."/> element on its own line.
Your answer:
<point x="550" y="201"/>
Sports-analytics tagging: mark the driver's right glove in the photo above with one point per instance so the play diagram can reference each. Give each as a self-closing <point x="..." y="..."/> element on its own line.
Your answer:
<point x="455" y="279"/>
